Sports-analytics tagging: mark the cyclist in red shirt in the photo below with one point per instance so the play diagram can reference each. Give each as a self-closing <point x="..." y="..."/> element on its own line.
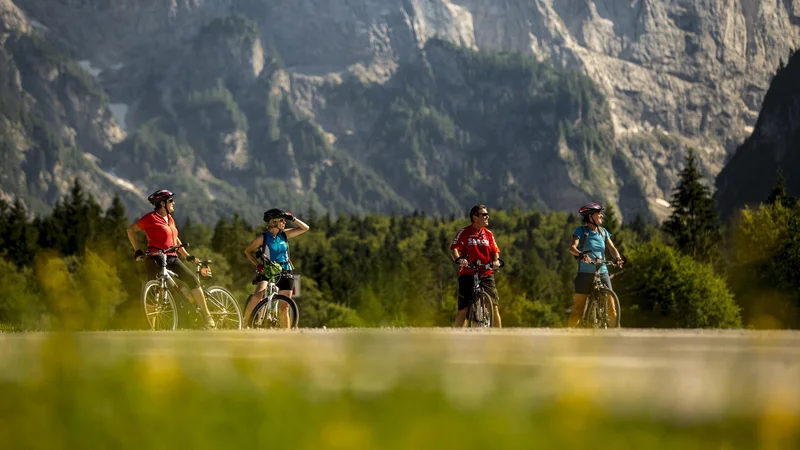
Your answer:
<point x="475" y="242"/>
<point x="159" y="226"/>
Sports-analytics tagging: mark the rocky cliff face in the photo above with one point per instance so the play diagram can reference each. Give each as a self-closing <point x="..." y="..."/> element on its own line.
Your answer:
<point x="54" y="118"/>
<point x="676" y="73"/>
<point x="773" y="146"/>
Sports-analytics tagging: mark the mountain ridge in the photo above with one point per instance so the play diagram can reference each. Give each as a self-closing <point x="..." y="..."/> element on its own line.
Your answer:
<point x="675" y="74"/>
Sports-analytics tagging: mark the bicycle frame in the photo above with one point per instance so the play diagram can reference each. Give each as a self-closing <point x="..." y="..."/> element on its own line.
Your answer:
<point x="167" y="279"/>
<point x="597" y="284"/>
<point x="165" y="276"/>
<point x="271" y="291"/>
<point x="477" y="288"/>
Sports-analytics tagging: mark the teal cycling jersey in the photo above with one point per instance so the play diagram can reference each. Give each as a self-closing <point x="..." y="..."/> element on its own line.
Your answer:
<point x="595" y="245"/>
<point x="277" y="249"/>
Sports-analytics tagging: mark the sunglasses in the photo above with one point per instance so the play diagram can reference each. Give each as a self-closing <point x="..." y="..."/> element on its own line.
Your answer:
<point x="483" y="215"/>
<point x="171" y="201"/>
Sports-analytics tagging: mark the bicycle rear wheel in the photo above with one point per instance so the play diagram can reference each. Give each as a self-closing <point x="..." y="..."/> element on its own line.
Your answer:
<point x="273" y="317"/>
<point x="480" y="312"/>
<point x="224" y="308"/>
<point x="159" y="307"/>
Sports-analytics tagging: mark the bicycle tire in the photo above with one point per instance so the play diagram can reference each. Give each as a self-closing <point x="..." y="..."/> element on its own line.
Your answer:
<point x="294" y="314"/>
<point x="613" y="295"/>
<point x="482" y="301"/>
<point x="589" y="318"/>
<point x="227" y="316"/>
<point x="158" y="305"/>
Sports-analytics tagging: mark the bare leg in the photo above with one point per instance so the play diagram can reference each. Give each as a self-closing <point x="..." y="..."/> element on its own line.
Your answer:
<point x="497" y="323"/>
<point x="200" y="300"/>
<point x="258" y="295"/>
<point x="577" y="310"/>
<point x="611" y="307"/>
<point x="283" y="310"/>
<point x="461" y="318"/>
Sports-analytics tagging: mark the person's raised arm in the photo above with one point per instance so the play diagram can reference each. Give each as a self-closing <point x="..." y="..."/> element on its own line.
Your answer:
<point x="301" y="227"/>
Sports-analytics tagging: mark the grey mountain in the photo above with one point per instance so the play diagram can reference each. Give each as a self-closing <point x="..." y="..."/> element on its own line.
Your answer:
<point x="273" y="91"/>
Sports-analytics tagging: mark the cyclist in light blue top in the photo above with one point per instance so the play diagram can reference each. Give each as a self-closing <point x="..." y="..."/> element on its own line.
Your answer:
<point x="278" y="248"/>
<point x="589" y="242"/>
<point x="273" y="246"/>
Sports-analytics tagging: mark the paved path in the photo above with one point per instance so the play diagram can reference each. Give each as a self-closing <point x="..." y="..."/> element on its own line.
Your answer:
<point x="682" y="373"/>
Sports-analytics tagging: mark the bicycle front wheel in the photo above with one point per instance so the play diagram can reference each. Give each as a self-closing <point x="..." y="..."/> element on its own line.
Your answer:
<point x="611" y="304"/>
<point x="282" y="312"/>
<point x="159" y="307"/>
<point x="224" y="308"/>
<point x="480" y="313"/>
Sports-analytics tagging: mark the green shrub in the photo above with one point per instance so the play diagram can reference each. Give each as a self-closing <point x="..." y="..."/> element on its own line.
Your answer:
<point x="663" y="288"/>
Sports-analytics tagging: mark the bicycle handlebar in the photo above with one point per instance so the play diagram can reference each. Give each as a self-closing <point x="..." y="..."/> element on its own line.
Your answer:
<point x="477" y="265"/>
<point x="167" y="250"/>
<point x="601" y="262"/>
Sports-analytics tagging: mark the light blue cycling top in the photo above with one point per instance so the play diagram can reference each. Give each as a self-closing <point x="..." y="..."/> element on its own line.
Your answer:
<point x="595" y="244"/>
<point x="277" y="249"/>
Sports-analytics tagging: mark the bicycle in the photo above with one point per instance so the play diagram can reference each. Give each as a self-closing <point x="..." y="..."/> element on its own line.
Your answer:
<point x="595" y="311"/>
<point x="163" y="313"/>
<point x="480" y="312"/>
<point x="266" y="313"/>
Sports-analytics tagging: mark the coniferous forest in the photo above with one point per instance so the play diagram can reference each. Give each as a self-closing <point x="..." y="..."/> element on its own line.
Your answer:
<point x="74" y="268"/>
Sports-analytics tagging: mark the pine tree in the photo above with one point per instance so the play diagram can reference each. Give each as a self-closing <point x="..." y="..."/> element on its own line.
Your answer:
<point x="693" y="222"/>
<point x="611" y="223"/>
<point x="195" y="234"/>
<point x="50" y="228"/>
<point x="230" y="239"/>
<point x="115" y="224"/>
<point x="4" y="210"/>
<point x="778" y="193"/>
<point x="638" y="226"/>
<point x="83" y="217"/>
<point x="74" y="222"/>
<point x="19" y="235"/>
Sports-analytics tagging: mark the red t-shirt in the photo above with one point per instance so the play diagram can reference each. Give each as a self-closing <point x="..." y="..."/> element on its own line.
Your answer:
<point x="474" y="245"/>
<point x="161" y="231"/>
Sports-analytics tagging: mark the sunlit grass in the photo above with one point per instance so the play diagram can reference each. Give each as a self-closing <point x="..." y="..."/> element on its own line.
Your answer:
<point x="391" y="390"/>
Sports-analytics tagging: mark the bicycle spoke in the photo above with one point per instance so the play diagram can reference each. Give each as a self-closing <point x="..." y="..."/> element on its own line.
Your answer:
<point x="159" y="308"/>
<point x="223" y="308"/>
<point x="214" y="302"/>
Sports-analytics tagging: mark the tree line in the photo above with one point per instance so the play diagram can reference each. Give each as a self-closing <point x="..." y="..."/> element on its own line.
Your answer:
<point x="74" y="268"/>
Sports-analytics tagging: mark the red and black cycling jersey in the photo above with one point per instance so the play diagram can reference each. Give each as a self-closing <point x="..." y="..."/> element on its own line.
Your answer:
<point x="474" y="245"/>
<point x="161" y="231"/>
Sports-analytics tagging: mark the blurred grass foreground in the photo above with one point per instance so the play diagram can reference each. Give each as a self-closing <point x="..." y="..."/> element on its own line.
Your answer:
<point x="399" y="389"/>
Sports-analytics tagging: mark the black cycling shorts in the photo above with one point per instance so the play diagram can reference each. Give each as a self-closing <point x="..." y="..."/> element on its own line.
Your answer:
<point x="585" y="280"/>
<point x="285" y="282"/>
<point x="153" y="266"/>
<point x="465" y="297"/>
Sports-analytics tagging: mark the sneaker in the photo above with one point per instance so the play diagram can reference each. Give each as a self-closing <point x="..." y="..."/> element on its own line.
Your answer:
<point x="208" y="323"/>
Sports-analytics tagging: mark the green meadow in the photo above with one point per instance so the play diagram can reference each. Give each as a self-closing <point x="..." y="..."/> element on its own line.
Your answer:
<point x="399" y="389"/>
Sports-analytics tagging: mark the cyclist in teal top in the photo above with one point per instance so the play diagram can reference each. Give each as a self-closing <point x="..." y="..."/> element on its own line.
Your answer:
<point x="273" y="244"/>
<point x="589" y="242"/>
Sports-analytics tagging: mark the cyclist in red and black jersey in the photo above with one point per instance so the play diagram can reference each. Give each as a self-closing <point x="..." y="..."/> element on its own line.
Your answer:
<point x="159" y="226"/>
<point x="475" y="242"/>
